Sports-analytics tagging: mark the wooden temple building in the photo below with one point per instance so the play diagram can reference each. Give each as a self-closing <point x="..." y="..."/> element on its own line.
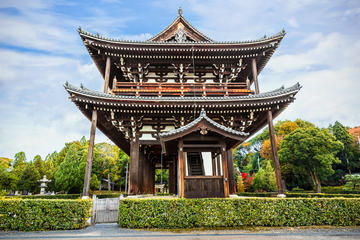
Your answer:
<point x="180" y="101"/>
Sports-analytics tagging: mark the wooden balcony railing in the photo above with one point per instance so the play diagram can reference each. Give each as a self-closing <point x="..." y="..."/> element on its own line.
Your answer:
<point x="181" y="89"/>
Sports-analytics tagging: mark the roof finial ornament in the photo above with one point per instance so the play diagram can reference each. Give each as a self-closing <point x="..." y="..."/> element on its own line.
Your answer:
<point x="180" y="11"/>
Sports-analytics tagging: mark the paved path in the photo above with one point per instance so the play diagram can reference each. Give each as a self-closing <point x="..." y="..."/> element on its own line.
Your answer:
<point x="112" y="231"/>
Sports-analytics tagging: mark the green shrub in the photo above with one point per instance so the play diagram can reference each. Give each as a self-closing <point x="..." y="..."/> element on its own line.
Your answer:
<point x="210" y="213"/>
<point x="43" y="214"/>
<point x="57" y="196"/>
<point x="296" y="195"/>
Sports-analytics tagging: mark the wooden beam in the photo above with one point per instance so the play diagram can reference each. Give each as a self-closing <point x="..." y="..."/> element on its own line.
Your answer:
<point x="90" y="154"/>
<point x="225" y="170"/>
<point x="274" y="152"/>
<point x="202" y="145"/>
<point x="254" y="73"/>
<point x="181" y="168"/>
<point x="107" y="74"/>
<point x="134" y="179"/>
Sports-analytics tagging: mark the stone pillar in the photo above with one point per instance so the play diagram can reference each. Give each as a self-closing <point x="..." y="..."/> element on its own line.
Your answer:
<point x="90" y="154"/>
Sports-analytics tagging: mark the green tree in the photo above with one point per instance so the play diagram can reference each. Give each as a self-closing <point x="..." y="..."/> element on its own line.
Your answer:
<point x="311" y="150"/>
<point x="29" y="178"/>
<point x="39" y="165"/>
<point x="265" y="179"/>
<point x="7" y="179"/>
<point x="349" y="156"/>
<point x="352" y="181"/>
<point x="70" y="175"/>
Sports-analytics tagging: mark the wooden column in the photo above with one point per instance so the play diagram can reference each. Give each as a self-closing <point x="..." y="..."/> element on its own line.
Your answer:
<point x="181" y="168"/>
<point x="274" y="152"/>
<point x="147" y="169"/>
<point x="225" y="169"/>
<point x="90" y="154"/>
<point x="218" y="164"/>
<point x="134" y="178"/>
<point x="107" y="75"/>
<point x="172" y="177"/>
<point x="230" y="163"/>
<point x="213" y="162"/>
<point x="254" y="73"/>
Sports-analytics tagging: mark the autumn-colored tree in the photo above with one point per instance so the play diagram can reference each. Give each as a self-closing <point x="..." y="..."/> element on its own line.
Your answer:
<point x="266" y="150"/>
<point x="286" y="128"/>
<point x="240" y="184"/>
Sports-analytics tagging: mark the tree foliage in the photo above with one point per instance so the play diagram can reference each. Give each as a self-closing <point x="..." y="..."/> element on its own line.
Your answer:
<point x="311" y="150"/>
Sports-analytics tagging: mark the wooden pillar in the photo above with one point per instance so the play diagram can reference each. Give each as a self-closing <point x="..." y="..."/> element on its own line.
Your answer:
<point x="181" y="173"/>
<point x="90" y="154"/>
<point x="218" y="164"/>
<point x="134" y="178"/>
<point x="274" y="152"/>
<point x="230" y="163"/>
<point x="107" y="75"/>
<point x="213" y="162"/>
<point x="172" y="177"/>
<point x="254" y="73"/>
<point x="147" y="169"/>
<point x="225" y="169"/>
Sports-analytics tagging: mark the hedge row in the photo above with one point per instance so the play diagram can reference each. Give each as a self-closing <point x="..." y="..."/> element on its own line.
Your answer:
<point x="57" y="196"/>
<point x="42" y="214"/>
<point x="210" y="213"/>
<point x="296" y="195"/>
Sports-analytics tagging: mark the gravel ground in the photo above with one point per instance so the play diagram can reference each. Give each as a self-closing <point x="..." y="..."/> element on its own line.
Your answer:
<point x="112" y="231"/>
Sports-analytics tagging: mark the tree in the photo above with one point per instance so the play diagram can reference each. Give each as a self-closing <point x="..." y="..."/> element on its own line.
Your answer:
<point x="39" y="165"/>
<point x="349" y="156"/>
<point x="266" y="149"/>
<point x="29" y="178"/>
<point x="352" y="180"/>
<point x="240" y="184"/>
<point x="70" y="175"/>
<point x="7" y="178"/>
<point x="311" y="150"/>
<point x="265" y="179"/>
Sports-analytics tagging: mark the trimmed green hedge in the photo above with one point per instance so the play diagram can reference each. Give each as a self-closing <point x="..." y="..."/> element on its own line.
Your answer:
<point x="57" y="196"/>
<point x="210" y="213"/>
<point x="296" y="195"/>
<point x="42" y="214"/>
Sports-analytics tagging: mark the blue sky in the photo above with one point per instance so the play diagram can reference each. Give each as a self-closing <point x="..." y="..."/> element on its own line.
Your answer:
<point x="40" y="50"/>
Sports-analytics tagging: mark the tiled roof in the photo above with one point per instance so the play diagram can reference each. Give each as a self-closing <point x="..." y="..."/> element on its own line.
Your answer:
<point x="266" y="95"/>
<point x="202" y="117"/>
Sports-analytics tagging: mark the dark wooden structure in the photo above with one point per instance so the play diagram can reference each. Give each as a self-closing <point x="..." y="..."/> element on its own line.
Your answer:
<point x="182" y="96"/>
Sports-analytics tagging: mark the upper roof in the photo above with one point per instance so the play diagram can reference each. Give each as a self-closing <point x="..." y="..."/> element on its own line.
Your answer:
<point x="180" y="30"/>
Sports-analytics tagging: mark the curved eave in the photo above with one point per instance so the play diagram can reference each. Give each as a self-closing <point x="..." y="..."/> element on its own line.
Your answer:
<point x="104" y="40"/>
<point x="114" y="99"/>
<point x="193" y="126"/>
